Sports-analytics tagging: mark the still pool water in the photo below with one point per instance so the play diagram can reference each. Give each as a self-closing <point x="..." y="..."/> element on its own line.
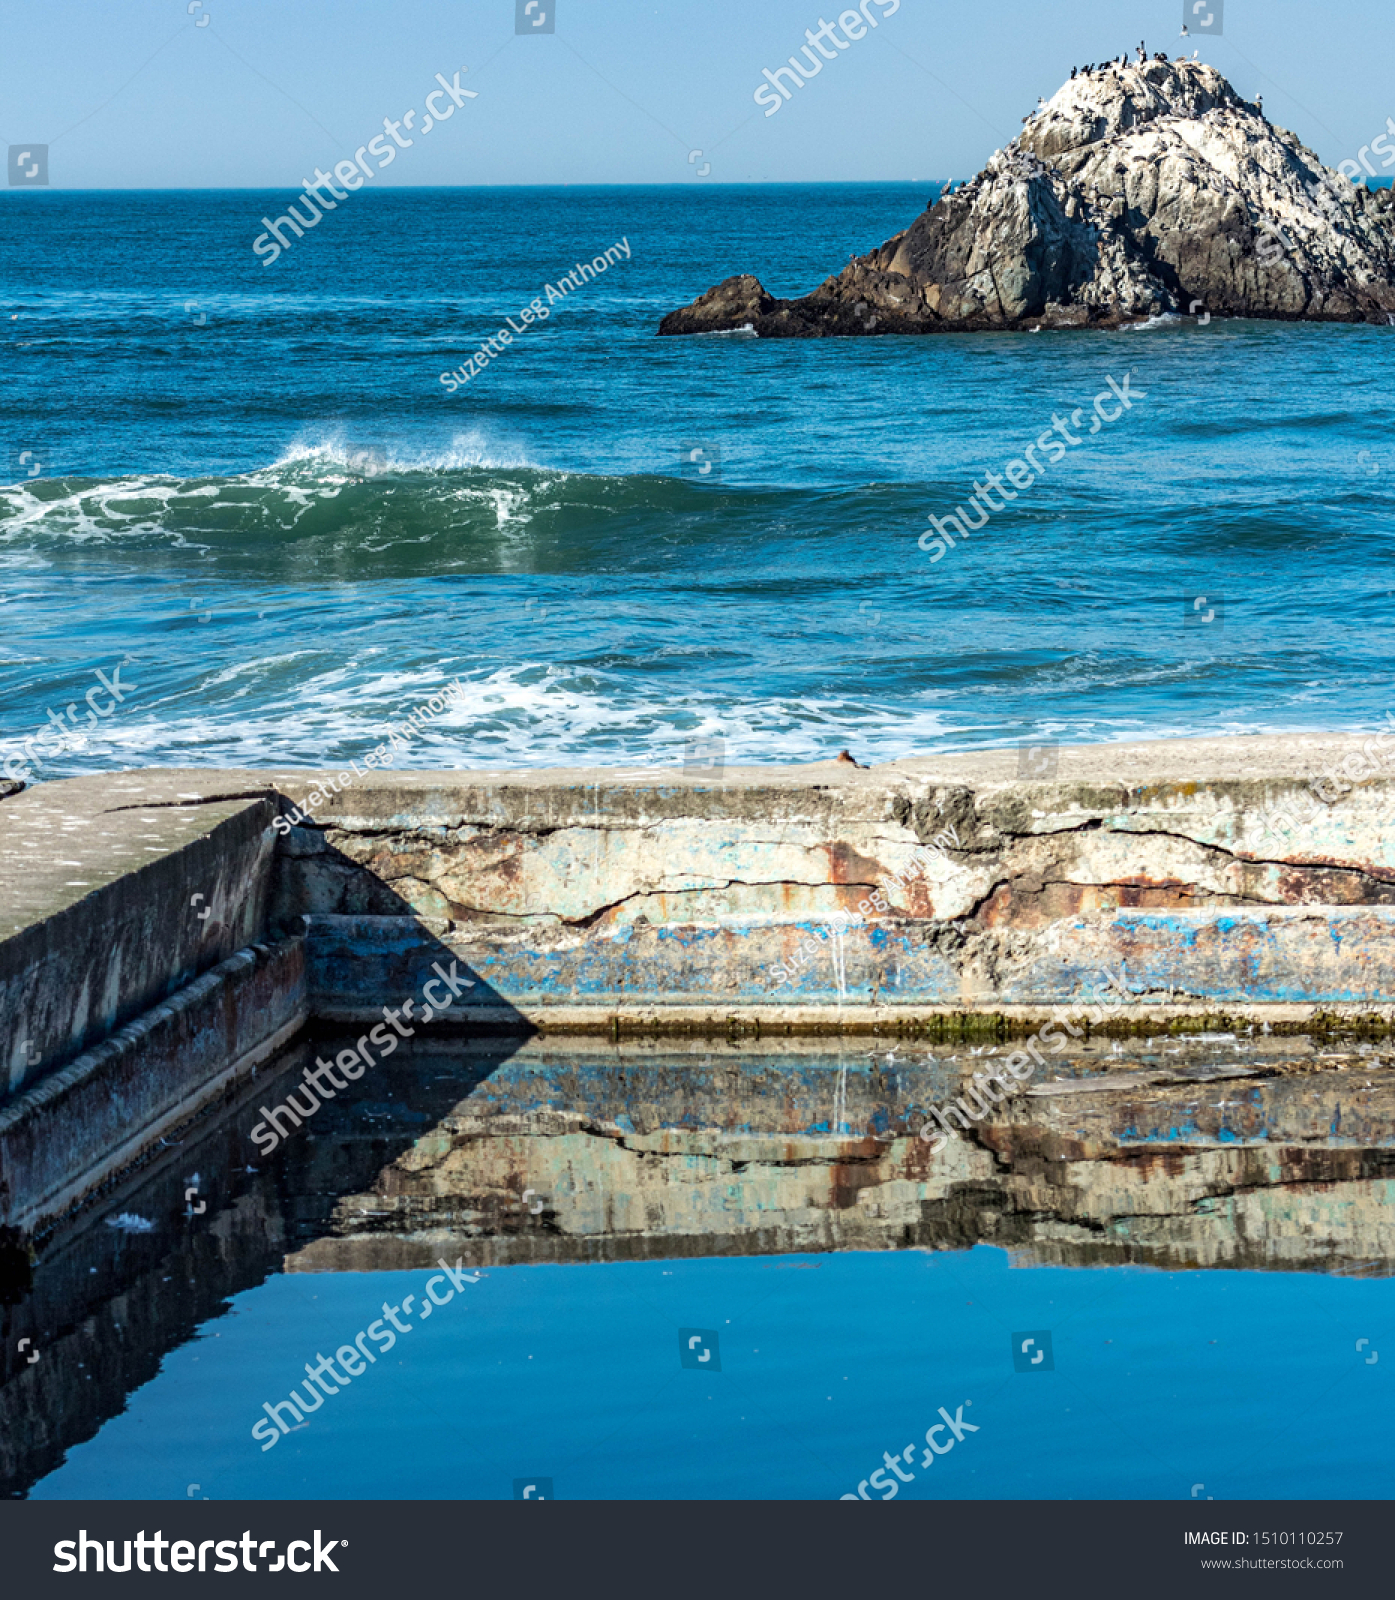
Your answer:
<point x="1218" y="1311"/>
<point x="1248" y="1383"/>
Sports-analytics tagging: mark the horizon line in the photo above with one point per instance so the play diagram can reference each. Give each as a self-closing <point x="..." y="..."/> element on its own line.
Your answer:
<point x="748" y="183"/>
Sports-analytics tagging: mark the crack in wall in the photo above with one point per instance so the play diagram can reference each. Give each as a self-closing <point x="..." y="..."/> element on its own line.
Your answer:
<point x="966" y="856"/>
<point x="1097" y="824"/>
<point x="188" y="803"/>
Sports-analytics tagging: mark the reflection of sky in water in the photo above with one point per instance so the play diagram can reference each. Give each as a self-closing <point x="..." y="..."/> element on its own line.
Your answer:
<point x="1248" y="1383"/>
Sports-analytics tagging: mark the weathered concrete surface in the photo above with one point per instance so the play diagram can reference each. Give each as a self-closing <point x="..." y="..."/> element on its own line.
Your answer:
<point x="114" y="893"/>
<point x="1193" y="869"/>
<point x="1238" y="961"/>
<point x="80" y="1126"/>
<point x="578" y="898"/>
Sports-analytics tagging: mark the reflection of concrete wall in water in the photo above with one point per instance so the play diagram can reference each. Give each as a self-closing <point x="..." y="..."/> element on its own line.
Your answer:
<point x="1174" y="1167"/>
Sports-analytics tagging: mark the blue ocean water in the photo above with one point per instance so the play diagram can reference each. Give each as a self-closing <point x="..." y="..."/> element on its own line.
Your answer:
<point x="248" y="485"/>
<point x="1246" y="1384"/>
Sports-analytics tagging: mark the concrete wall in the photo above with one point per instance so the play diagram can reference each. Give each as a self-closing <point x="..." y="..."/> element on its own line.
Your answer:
<point x="114" y="893"/>
<point x="85" y="1123"/>
<point x="1204" y="875"/>
<point x="1207" y="874"/>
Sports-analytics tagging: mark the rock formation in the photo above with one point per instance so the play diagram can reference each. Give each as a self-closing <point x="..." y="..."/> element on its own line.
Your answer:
<point x="1135" y="190"/>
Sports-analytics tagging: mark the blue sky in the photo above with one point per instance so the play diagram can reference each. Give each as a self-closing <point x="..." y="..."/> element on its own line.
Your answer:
<point x="623" y="90"/>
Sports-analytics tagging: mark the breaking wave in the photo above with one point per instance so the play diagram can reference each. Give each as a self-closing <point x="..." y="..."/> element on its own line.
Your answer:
<point x="332" y="510"/>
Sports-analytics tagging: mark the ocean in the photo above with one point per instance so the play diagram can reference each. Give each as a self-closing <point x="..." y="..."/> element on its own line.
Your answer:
<point x="247" y="488"/>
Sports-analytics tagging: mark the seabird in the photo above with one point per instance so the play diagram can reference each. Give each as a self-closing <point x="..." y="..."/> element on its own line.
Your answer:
<point x="848" y="761"/>
<point x="1185" y="33"/>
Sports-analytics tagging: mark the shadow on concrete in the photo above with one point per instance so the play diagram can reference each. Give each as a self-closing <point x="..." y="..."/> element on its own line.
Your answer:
<point x="88" y="1312"/>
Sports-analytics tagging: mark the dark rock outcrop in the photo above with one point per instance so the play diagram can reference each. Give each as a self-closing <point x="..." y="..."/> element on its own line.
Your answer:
<point x="1135" y="190"/>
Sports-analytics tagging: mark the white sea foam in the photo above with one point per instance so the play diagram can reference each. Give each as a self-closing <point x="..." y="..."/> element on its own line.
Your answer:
<point x="154" y="506"/>
<point x="333" y="451"/>
<point x="1164" y="319"/>
<point x="297" y="713"/>
<point x="97" y="513"/>
<point x="525" y="716"/>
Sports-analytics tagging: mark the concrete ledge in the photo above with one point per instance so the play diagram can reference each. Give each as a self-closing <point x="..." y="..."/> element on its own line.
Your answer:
<point x="1307" y="957"/>
<point x="111" y="899"/>
<point x="935" y="1024"/>
<point x="84" y="1124"/>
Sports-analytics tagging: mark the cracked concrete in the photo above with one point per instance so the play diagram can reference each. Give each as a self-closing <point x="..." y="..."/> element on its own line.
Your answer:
<point x="1164" y="853"/>
<point x="583" y="899"/>
<point x="587" y="900"/>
